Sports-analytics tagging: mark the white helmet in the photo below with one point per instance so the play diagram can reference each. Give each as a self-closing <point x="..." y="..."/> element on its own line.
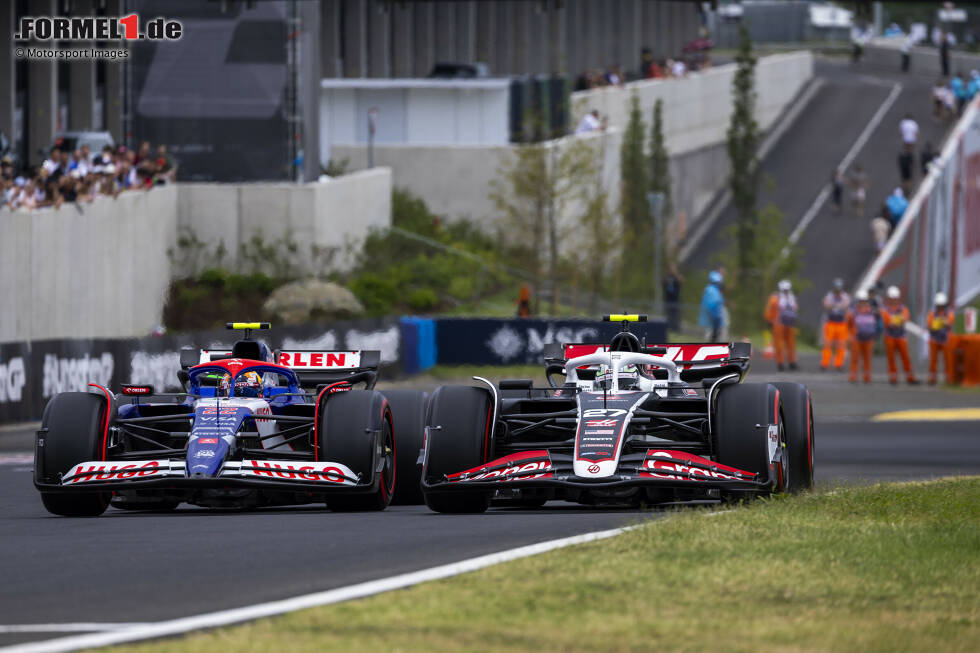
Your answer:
<point x="893" y="292"/>
<point x="861" y="295"/>
<point x="785" y="285"/>
<point x="941" y="299"/>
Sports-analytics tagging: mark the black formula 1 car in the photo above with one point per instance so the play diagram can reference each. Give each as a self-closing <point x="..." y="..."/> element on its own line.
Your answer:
<point x="253" y="428"/>
<point x="631" y="423"/>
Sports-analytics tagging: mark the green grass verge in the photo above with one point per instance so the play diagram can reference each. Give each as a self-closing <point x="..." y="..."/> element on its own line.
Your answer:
<point x="891" y="567"/>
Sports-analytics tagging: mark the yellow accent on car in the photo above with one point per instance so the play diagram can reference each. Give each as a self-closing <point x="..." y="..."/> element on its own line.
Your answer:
<point x="249" y="325"/>
<point x="629" y="317"/>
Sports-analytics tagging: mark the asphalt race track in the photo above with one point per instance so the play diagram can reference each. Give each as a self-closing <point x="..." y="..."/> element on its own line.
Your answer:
<point x="138" y="567"/>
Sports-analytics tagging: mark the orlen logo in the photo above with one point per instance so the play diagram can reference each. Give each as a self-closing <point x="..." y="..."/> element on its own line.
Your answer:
<point x="314" y="359"/>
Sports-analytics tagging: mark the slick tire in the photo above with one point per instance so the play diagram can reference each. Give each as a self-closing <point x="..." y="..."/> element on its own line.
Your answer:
<point x="75" y="423"/>
<point x="798" y="411"/>
<point x="350" y="426"/>
<point x="461" y="441"/>
<point x="408" y="414"/>
<point x="738" y="441"/>
<point x="146" y="506"/>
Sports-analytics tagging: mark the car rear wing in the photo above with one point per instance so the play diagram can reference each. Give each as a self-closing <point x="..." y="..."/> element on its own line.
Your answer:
<point x="316" y="367"/>
<point x="696" y="361"/>
<point x="191" y="357"/>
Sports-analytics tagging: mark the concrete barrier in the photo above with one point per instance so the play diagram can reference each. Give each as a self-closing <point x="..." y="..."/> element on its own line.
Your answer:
<point x="92" y="270"/>
<point x="455" y="180"/>
<point x="337" y="214"/>
<point x="698" y="108"/>
<point x="102" y="270"/>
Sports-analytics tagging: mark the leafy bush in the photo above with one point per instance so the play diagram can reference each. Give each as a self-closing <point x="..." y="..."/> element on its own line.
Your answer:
<point x="423" y="299"/>
<point x="423" y="264"/>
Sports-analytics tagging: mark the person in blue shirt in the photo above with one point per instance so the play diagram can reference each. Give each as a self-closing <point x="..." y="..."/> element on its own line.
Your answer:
<point x="712" y="317"/>
<point x="959" y="92"/>
<point x="896" y="204"/>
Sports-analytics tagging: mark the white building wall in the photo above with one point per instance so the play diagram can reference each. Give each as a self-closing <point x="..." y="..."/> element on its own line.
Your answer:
<point x="102" y="270"/>
<point x="455" y="179"/>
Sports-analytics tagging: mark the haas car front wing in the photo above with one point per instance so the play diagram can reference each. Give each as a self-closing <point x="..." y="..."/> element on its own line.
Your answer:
<point x="543" y="469"/>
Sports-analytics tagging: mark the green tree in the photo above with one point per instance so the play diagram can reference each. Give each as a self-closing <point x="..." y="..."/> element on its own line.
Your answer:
<point x="599" y="240"/>
<point x="777" y="259"/>
<point x="633" y="206"/>
<point x="659" y="163"/>
<point x="743" y="146"/>
<point x="532" y="190"/>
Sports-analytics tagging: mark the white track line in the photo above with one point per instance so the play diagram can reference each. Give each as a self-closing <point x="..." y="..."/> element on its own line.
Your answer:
<point x="876" y="119"/>
<point x="248" y="613"/>
<point x="67" y="628"/>
<point x="717" y="207"/>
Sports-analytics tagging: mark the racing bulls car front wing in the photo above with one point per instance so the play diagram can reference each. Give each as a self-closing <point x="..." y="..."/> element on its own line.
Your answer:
<point x="169" y="474"/>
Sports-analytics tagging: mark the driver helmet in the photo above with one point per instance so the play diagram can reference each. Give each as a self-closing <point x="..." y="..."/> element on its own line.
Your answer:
<point x="248" y="384"/>
<point x="629" y="377"/>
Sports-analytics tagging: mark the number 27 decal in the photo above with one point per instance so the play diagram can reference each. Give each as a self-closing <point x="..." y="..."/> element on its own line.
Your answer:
<point x="603" y="412"/>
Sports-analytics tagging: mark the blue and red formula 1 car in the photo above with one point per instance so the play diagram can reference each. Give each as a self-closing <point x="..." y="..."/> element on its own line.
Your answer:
<point x="253" y="428"/>
<point x="631" y="423"/>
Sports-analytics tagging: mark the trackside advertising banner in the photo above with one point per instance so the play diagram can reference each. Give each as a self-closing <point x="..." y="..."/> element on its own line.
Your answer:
<point x="465" y="341"/>
<point x="936" y="245"/>
<point x="31" y="373"/>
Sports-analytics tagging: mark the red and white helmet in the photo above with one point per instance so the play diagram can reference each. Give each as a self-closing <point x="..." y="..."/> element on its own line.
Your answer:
<point x="248" y="384"/>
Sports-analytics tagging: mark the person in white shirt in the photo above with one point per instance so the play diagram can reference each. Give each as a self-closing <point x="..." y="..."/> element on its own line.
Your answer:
<point x="53" y="162"/>
<point x="679" y="68"/>
<point x="910" y="131"/>
<point x="589" y="123"/>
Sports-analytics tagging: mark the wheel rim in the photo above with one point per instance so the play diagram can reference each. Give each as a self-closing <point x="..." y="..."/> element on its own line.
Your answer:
<point x="783" y="457"/>
<point x="388" y="451"/>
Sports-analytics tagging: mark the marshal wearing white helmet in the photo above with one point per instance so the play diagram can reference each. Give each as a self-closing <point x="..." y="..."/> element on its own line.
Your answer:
<point x="895" y="316"/>
<point x="939" y="321"/>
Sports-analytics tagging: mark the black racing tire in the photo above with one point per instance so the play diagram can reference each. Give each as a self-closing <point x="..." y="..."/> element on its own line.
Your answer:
<point x="461" y="442"/>
<point x="738" y="441"/>
<point x="408" y="414"/>
<point x="147" y="506"/>
<point x="75" y="423"/>
<point x="798" y="411"/>
<point x="347" y="433"/>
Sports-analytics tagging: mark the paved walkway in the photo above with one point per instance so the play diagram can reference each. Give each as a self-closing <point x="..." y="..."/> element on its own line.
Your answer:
<point x="801" y="163"/>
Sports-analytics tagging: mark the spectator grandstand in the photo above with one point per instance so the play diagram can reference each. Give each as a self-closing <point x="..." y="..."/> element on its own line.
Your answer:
<point x="80" y="176"/>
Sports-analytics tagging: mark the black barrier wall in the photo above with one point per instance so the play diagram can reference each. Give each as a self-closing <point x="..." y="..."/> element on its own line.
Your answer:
<point x="31" y="373"/>
<point x="477" y="341"/>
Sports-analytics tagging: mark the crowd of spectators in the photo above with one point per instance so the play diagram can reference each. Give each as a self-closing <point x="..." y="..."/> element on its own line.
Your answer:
<point x="81" y="176"/>
<point x="696" y="57"/>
